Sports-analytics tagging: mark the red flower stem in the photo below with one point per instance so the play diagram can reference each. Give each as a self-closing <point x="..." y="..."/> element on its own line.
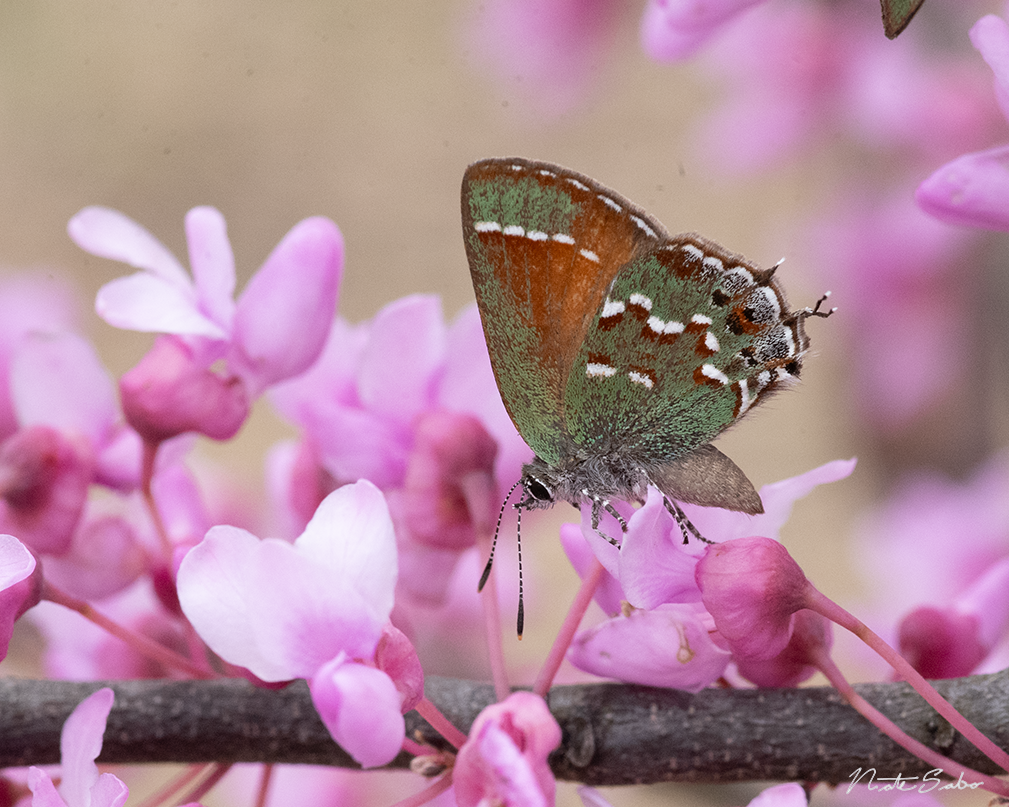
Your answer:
<point x="899" y="736"/>
<point x="823" y="605"/>
<point x="566" y="634"/>
<point x="217" y="772"/>
<point x="265" y="779"/>
<point x="147" y="647"/>
<point x="414" y="748"/>
<point x="440" y="723"/>
<point x="162" y="796"/>
<point x="150" y="451"/>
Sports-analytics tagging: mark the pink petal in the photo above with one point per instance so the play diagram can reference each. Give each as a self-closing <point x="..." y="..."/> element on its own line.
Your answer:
<point x="16" y="562"/>
<point x="59" y="381"/>
<point x="988" y="598"/>
<point x="361" y="708"/>
<point x="669" y="646"/>
<point x="990" y="35"/>
<point x="592" y="798"/>
<point x="44" y="793"/>
<point x="788" y="794"/>
<point x="212" y="264"/>
<point x="972" y="190"/>
<point x="109" y="234"/>
<point x="356" y="443"/>
<point x="286" y="310"/>
<point x="150" y="304"/>
<point x="351" y="534"/>
<point x="397" y="658"/>
<point x="214" y="595"/>
<point x="675" y="29"/>
<point x="80" y="745"/>
<point x="467" y="385"/>
<point x="449" y="491"/>
<point x="779" y="497"/>
<point x="110" y="791"/>
<point x="406" y="347"/>
<point x="104" y="558"/>
<point x="752" y="588"/>
<point x="19" y="588"/>
<point x="171" y="391"/>
<point x="505" y="759"/>
<point x="655" y="567"/>
<point x="305" y="613"/>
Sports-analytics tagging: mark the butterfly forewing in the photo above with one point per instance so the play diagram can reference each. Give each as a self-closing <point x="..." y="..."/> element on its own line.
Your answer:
<point x="543" y="246"/>
<point x="688" y="338"/>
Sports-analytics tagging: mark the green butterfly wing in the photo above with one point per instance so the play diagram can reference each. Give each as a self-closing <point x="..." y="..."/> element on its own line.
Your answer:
<point x="543" y="245"/>
<point x="688" y="339"/>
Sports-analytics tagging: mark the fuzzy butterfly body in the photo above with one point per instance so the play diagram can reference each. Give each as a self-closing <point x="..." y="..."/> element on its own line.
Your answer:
<point x="620" y="351"/>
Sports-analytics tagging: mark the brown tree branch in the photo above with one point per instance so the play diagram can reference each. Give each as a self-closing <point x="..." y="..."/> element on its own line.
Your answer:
<point x="613" y="733"/>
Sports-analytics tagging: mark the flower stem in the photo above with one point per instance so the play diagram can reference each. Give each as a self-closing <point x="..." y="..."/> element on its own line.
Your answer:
<point x="143" y="645"/>
<point x="566" y="634"/>
<point x="440" y="723"/>
<point x="898" y="735"/>
<point x="831" y="610"/>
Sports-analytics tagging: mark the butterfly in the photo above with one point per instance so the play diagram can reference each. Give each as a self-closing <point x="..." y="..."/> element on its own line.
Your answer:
<point x="620" y="351"/>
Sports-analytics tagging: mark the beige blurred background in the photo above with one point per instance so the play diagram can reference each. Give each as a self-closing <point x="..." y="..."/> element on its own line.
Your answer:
<point x="368" y="112"/>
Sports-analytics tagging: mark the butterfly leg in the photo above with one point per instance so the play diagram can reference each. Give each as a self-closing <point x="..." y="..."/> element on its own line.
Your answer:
<point x="683" y="522"/>
<point x="598" y="505"/>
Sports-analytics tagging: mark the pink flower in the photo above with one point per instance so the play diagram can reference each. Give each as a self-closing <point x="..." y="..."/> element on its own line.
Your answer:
<point x="973" y="189"/>
<point x="942" y="537"/>
<point x="315" y="609"/>
<point x="659" y="633"/>
<point x="675" y="29"/>
<point x="668" y="646"/>
<point x="29" y="303"/>
<point x="504" y="761"/>
<point x="71" y="436"/>
<point x="900" y="271"/>
<point x="949" y="641"/>
<point x="410" y="405"/>
<point x="544" y="50"/>
<point x="57" y="380"/>
<point x="44" y="481"/>
<point x="80" y="744"/>
<point x="20" y="586"/>
<point x="804" y="72"/>
<point x="275" y="331"/>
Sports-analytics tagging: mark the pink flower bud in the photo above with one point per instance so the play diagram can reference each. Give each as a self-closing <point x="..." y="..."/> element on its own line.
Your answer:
<point x="752" y="587"/>
<point x="171" y="391"/>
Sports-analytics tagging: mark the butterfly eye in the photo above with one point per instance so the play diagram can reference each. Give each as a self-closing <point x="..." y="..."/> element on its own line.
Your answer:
<point x="537" y="489"/>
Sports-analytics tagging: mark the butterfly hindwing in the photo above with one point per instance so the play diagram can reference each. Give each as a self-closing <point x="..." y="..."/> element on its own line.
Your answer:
<point x="688" y="338"/>
<point x="543" y="245"/>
